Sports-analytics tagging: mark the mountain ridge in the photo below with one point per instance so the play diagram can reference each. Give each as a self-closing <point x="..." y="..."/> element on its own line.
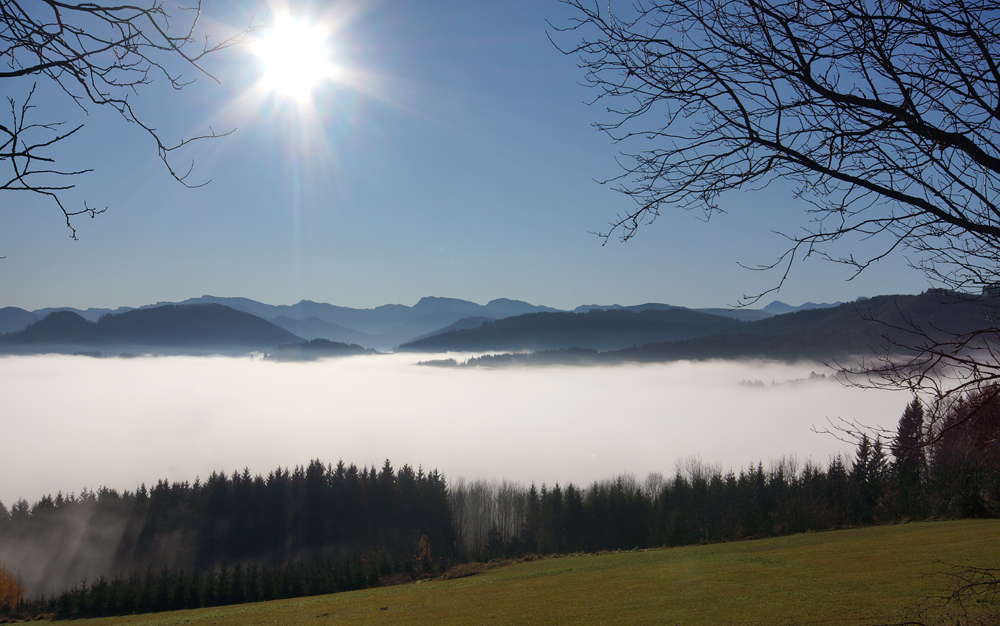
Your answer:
<point x="169" y="326"/>
<point x="600" y="329"/>
<point x="900" y="323"/>
<point x="383" y="327"/>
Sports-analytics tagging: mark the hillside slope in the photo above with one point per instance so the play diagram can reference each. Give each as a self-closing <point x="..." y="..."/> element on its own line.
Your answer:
<point x="601" y="329"/>
<point x="315" y="349"/>
<point x="172" y="325"/>
<point x="841" y="578"/>
<point x="386" y="325"/>
<point x="881" y="325"/>
<point x="13" y="319"/>
<point x="315" y="328"/>
<point x="857" y="328"/>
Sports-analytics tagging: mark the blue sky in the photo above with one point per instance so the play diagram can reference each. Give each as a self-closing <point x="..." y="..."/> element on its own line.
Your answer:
<point x="459" y="161"/>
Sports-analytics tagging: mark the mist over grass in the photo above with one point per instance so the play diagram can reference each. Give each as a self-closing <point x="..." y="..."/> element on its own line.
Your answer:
<point x="74" y="422"/>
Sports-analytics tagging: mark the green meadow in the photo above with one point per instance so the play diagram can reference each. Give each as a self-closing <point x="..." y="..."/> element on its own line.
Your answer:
<point x="859" y="576"/>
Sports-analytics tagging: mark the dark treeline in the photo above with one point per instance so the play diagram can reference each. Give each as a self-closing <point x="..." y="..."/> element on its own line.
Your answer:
<point x="322" y="528"/>
<point x="170" y="590"/>
<point x="318" y="514"/>
<point x="945" y="466"/>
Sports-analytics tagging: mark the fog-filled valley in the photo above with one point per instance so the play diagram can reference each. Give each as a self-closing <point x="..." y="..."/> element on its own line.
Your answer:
<point x="421" y="353"/>
<point x="75" y="422"/>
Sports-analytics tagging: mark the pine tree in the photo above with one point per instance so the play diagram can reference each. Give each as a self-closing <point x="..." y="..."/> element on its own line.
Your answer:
<point x="878" y="469"/>
<point x="908" y="443"/>
<point x="193" y="599"/>
<point x="861" y="512"/>
<point x="910" y="463"/>
<point x="532" y="521"/>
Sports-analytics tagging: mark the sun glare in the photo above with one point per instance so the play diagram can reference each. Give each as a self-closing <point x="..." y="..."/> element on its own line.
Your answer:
<point x="296" y="59"/>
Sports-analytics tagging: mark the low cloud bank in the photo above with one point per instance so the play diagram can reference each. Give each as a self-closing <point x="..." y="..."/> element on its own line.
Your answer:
<point x="78" y="422"/>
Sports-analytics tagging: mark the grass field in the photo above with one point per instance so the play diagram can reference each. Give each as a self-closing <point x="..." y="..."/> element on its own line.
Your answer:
<point x="861" y="576"/>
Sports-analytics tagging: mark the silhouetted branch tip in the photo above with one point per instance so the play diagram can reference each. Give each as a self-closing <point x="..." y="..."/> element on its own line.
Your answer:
<point x="97" y="54"/>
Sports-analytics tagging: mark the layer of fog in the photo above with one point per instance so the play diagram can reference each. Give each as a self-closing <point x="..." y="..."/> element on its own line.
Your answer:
<point x="78" y="422"/>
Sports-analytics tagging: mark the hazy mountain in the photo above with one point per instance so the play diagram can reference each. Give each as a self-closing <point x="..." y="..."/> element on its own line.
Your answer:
<point x="385" y="326"/>
<point x="432" y="313"/>
<point x="265" y="311"/>
<point x="560" y="356"/>
<point x="602" y="329"/>
<point x="415" y="328"/>
<point x="845" y="330"/>
<point x="13" y="319"/>
<point x="91" y="315"/>
<point x="779" y="308"/>
<point x="381" y="327"/>
<point x="465" y="323"/>
<point x="743" y="315"/>
<point x="197" y="326"/>
<point x="369" y="321"/>
<point x="586" y="308"/>
<point x="832" y="333"/>
<point x="315" y="328"/>
<point x="504" y="307"/>
<point x="57" y="327"/>
<point x="315" y="349"/>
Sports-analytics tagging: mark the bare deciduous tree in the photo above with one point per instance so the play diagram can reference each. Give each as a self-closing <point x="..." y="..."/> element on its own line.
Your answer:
<point x="884" y="113"/>
<point x="481" y="507"/>
<point x="969" y="596"/>
<point x="97" y="54"/>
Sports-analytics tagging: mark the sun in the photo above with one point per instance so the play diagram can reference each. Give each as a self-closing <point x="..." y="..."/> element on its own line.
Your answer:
<point x="295" y="57"/>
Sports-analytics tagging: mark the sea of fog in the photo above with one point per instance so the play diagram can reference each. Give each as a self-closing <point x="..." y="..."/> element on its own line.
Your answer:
<point x="74" y="422"/>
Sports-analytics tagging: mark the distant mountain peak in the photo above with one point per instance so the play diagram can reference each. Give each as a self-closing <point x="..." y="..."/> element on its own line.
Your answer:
<point x="190" y="325"/>
<point x="439" y="301"/>
<point x="13" y="319"/>
<point x="779" y="308"/>
<point x="61" y="318"/>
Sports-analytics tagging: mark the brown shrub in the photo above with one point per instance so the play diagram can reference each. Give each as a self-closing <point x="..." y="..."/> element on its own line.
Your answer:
<point x="11" y="591"/>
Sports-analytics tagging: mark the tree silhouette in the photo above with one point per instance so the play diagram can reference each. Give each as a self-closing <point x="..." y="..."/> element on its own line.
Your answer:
<point x="99" y="55"/>
<point x="882" y="114"/>
<point x="910" y="464"/>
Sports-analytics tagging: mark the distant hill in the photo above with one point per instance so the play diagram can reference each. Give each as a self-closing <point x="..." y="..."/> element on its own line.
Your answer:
<point x="381" y="327"/>
<point x="91" y="315"/>
<point x="57" y="327"/>
<point x="204" y="325"/>
<point x="315" y="328"/>
<point x="432" y="314"/>
<point x="741" y="314"/>
<point x="13" y="319"/>
<point x="780" y="308"/>
<point x="264" y="311"/>
<point x="465" y="323"/>
<point x="315" y="349"/>
<point x="859" y="328"/>
<point x="386" y="326"/>
<point x="599" y="329"/>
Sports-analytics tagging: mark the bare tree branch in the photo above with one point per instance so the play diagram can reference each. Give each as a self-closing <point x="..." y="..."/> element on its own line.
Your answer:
<point x="966" y="596"/>
<point x="98" y="55"/>
<point x="885" y="113"/>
